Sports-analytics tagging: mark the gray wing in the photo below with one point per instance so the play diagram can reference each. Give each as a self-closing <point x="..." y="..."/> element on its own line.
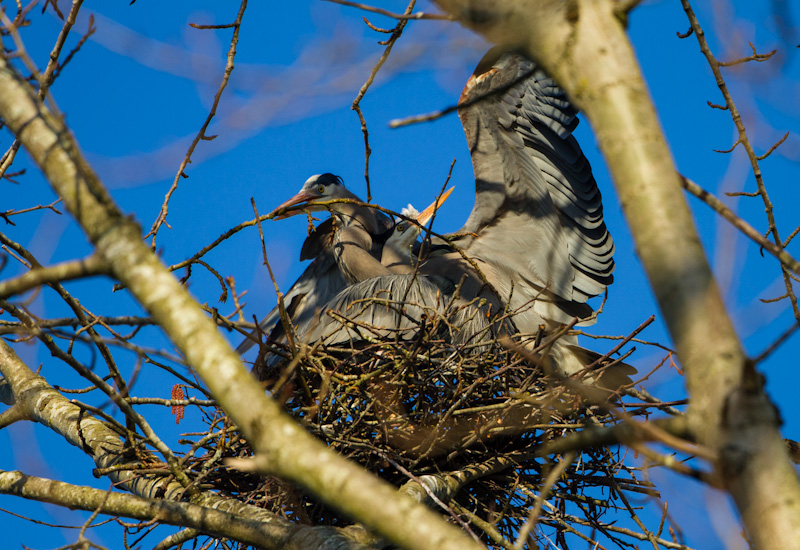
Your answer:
<point x="393" y="306"/>
<point x="318" y="240"/>
<point x="320" y="282"/>
<point x="538" y="216"/>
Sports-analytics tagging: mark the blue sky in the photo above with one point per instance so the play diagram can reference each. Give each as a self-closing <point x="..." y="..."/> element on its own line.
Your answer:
<point x="141" y="87"/>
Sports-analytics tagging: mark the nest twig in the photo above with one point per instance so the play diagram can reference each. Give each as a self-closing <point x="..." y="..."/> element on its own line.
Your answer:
<point x="413" y="404"/>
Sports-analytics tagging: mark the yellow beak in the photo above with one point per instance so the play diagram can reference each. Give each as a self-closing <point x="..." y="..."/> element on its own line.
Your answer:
<point x="426" y="215"/>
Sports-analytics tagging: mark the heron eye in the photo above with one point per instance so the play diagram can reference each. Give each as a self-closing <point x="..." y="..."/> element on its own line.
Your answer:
<point x="321" y="189"/>
<point x="401" y="228"/>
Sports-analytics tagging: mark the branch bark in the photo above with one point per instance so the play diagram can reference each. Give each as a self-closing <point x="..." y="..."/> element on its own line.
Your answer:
<point x="85" y="267"/>
<point x="291" y="452"/>
<point x="207" y="520"/>
<point x="583" y="45"/>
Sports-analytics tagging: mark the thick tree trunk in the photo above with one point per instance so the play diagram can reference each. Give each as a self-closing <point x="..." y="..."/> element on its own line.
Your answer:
<point x="583" y="45"/>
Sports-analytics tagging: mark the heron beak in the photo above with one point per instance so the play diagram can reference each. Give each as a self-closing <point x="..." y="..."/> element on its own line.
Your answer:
<point x="426" y="215"/>
<point x="300" y="198"/>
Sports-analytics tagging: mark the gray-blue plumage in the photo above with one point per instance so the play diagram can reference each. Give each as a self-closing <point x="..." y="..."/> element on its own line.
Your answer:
<point x="323" y="279"/>
<point x="395" y="307"/>
<point x="537" y="223"/>
<point x="532" y="252"/>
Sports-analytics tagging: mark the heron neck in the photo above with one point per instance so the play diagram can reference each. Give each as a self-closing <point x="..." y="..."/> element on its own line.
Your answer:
<point x="352" y="247"/>
<point x="397" y="255"/>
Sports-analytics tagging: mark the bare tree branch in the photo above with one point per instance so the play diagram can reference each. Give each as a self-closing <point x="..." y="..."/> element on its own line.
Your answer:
<point x="293" y="453"/>
<point x="66" y="271"/>
<point x="356" y="106"/>
<point x="744" y="139"/>
<point x="204" y="519"/>
<point x="779" y="252"/>
<point x="387" y="13"/>
<point x="201" y="135"/>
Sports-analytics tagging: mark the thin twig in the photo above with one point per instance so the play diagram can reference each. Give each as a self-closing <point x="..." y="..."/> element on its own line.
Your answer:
<point x="533" y="517"/>
<point x="201" y="135"/>
<point x="435" y="115"/>
<point x="743" y="139"/>
<point x="776" y="344"/>
<point x="783" y="257"/>
<point x="402" y="16"/>
<point x="356" y="106"/>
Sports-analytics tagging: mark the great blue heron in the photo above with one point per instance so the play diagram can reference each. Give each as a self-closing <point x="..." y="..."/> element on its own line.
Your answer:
<point x="354" y="244"/>
<point x="398" y="250"/>
<point x="534" y="247"/>
<point x="537" y="229"/>
<point x="322" y="279"/>
<point x="390" y="297"/>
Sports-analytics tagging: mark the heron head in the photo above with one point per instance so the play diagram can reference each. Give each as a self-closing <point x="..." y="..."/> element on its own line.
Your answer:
<point x="425" y="216"/>
<point x="406" y="232"/>
<point x="317" y="188"/>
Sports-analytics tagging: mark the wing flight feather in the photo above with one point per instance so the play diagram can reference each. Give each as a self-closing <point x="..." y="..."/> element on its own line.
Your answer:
<point x="538" y="215"/>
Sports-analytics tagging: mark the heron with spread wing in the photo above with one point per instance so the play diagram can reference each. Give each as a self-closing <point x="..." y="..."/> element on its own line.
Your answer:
<point x="533" y="250"/>
<point x="536" y="230"/>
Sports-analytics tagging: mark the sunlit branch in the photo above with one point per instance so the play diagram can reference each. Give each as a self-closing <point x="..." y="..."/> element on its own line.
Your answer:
<point x="206" y="520"/>
<point x="87" y="267"/>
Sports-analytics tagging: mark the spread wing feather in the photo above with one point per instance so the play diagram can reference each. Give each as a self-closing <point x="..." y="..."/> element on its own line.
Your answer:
<point x="320" y="283"/>
<point x="538" y="216"/>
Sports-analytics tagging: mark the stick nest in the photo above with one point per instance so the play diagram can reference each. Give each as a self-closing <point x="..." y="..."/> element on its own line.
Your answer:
<point x="416" y="409"/>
